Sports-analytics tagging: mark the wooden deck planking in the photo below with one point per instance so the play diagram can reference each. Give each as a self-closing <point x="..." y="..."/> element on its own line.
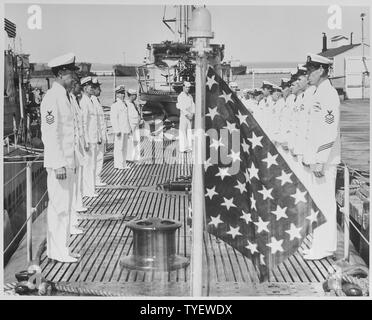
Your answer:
<point x="107" y="239"/>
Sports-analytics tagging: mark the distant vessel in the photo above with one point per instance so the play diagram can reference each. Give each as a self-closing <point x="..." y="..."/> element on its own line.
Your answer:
<point x="237" y="68"/>
<point x="125" y="70"/>
<point x="41" y="70"/>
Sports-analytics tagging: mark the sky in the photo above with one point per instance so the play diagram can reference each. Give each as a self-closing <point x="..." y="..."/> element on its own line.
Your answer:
<point x="119" y="33"/>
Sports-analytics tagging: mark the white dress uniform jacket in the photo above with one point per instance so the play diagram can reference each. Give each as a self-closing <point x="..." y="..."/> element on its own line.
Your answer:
<point x="120" y="124"/>
<point x="59" y="135"/>
<point x="323" y="136"/>
<point x="58" y="129"/>
<point x="133" y="152"/>
<point x="323" y="146"/>
<point x="276" y="118"/>
<point x="186" y="105"/>
<point x="103" y="135"/>
<point x="91" y="123"/>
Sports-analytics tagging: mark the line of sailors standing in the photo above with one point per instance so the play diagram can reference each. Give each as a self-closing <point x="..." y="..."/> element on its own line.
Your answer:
<point x="301" y="117"/>
<point x="74" y="134"/>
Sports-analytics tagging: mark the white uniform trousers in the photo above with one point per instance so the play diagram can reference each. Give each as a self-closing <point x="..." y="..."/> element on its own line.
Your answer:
<point x="100" y="155"/>
<point x="60" y="193"/>
<point x="322" y="190"/>
<point x="89" y="170"/>
<point x="78" y="195"/>
<point x="325" y="236"/>
<point x="185" y="134"/>
<point x="120" y="150"/>
<point x="134" y="146"/>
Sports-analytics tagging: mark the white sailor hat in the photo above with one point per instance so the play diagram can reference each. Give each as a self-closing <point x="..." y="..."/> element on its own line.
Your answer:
<point x="234" y="85"/>
<point x="86" y="80"/>
<point x="187" y="84"/>
<point x="132" y="91"/>
<point x="316" y="61"/>
<point x="246" y="91"/>
<point x="301" y="70"/>
<point x="120" y="89"/>
<point x="66" y="61"/>
<point x="96" y="82"/>
<point x="267" y="84"/>
<point x="276" y="88"/>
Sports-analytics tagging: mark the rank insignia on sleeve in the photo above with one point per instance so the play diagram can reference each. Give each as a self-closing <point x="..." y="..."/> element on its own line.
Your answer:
<point x="49" y="117"/>
<point x="329" y="118"/>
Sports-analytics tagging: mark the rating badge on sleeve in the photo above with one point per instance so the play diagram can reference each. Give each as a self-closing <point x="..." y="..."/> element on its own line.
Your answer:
<point x="49" y="118"/>
<point x="329" y="118"/>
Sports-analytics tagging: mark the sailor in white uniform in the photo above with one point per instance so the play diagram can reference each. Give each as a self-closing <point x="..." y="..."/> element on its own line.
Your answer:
<point x="121" y="128"/>
<point x="186" y="105"/>
<point x="323" y="153"/>
<point x="80" y="155"/>
<point x="265" y="105"/>
<point x="275" y="116"/>
<point x="135" y="121"/>
<point x="96" y="85"/>
<point x="92" y="133"/>
<point x="284" y="116"/>
<point x="59" y="135"/>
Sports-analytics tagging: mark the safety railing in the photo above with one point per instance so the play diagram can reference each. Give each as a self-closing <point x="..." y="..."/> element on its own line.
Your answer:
<point x="344" y="208"/>
<point x="32" y="197"/>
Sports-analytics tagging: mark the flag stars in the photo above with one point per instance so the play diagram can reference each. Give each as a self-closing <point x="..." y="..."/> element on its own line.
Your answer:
<point x="280" y="212"/>
<point x="294" y="232"/>
<point x="211" y="193"/>
<point x="245" y="146"/>
<point x="253" y="172"/>
<point x="235" y="156"/>
<point x="241" y="186"/>
<point x="217" y="143"/>
<point x="275" y="245"/>
<point x="228" y="203"/>
<point x="216" y="221"/>
<point x="247" y="217"/>
<point x="242" y="118"/>
<point x="212" y="113"/>
<point x="253" y="202"/>
<point x="223" y="172"/>
<point x="285" y="177"/>
<point x="299" y="196"/>
<point x="226" y="96"/>
<point x="255" y="140"/>
<point x="246" y="175"/>
<point x="211" y="82"/>
<point x="261" y="225"/>
<point x="270" y="160"/>
<point x="266" y="193"/>
<point x="313" y="216"/>
<point x="207" y="164"/>
<point x="230" y="126"/>
<point x="234" y="232"/>
<point x="252" y="247"/>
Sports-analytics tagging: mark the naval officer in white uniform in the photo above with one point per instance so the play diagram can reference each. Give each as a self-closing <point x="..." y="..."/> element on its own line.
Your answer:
<point x="323" y="153"/>
<point x="186" y="105"/>
<point x="134" y="116"/>
<point x="77" y="203"/>
<point x="96" y="85"/>
<point x="92" y="133"/>
<point x="121" y="128"/>
<point x="59" y="135"/>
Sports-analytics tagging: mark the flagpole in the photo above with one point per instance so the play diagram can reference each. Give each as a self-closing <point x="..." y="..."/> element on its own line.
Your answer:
<point x="200" y="32"/>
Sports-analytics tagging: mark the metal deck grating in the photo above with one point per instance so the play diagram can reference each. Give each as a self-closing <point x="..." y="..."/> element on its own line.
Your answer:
<point x="131" y="195"/>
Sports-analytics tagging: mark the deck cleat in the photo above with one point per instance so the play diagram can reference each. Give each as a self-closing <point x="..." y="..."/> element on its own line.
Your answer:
<point x="154" y="246"/>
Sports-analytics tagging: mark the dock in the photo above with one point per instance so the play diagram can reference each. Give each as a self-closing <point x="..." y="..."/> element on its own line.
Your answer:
<point x="132" y="194"/>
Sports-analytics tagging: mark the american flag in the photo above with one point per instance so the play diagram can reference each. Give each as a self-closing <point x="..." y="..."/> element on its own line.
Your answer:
<point x="10" y="28"/>
<point x="256" y="203"/>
